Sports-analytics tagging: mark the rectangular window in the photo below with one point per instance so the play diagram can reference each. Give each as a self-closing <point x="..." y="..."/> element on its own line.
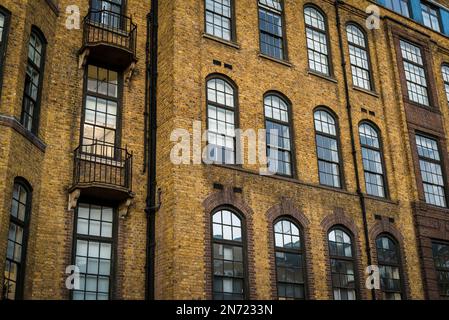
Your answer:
<point x="219" y="19"/>
<point x="431" y="16"/>
<point x="271" y="28"/>
<point x="415" y="73"/>
<point x="4" y="25"/>
<point x="101" y="112"/>
<point x="108" y="12"/>
<point x="445" y="71"/>
<point x="94" y="247"/>
<point x="441" y="259"/>
<point x="431" y="171"/>
<point x="316" y="33"/>
<point x="399" y="6"/>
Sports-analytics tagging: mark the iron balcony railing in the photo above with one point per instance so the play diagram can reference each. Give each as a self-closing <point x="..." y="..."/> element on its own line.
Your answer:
<point x="103" y="164"/>
<point x="107" y="27"/>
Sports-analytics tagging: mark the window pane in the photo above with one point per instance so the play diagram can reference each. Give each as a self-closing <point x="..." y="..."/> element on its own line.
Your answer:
<point x="271" y="30"/>
<point x="316" y="41"/>
<point x="219" y="18"/>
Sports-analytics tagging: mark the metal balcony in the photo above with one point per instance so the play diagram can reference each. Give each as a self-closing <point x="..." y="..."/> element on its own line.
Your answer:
<point x="108" y="38"/>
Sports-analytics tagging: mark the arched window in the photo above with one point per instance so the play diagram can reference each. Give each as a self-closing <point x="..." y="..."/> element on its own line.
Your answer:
<point x="33" y="81"/>
<point x="372" y="160"/>
<point x="389" y="261"/>
<point x="279" y="139"/>
<point x="327" y="149"/>
<point x="342" y="261"/>
<point x="290" y="268"/>
<point x="221" y="109"/>
<point x="4" y="27"/>
<point x="271" y="28"/>
<point x="229" y="260"/>
<point x="219" y="19"/>
<point x="17" y="241"/>
<point x="359" y="56"/>
<point x="445" y="71"/>
<point x="317" y="43"/>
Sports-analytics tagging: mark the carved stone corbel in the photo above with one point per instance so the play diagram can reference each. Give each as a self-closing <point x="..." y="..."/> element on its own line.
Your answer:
<point x="129" y="72"/>
<point x="73" y="199"/>
<point x="123" y="209"/>
<point x="82" y="59"/>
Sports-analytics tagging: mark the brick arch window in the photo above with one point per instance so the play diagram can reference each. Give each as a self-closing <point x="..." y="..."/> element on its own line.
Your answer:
<point x="279" y="134"/>
<point x="33" y="81"/>
<point x="4" y="29"/>
<point x="229" y="256"/>
<point x="342" y="261"/>
<point x="219" y="16"/>
<point x="373" y="163"/>
<point x="290" y="264"/>
<point x="221" y="120"/>
<point x="359" y="57"/>
<point x="327" y="143"/>
<point x="19" y="219"/>
<point x="445" y="71"/>
<point x="389" y="261"/>
<point x="317" y="40"/>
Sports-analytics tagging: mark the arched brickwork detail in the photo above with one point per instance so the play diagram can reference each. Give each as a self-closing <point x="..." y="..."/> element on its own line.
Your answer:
<point x="339" y="218"/>
<point x="385" y="227"/>
<point x="227" y="198"/>
<point x="287" y="209"/>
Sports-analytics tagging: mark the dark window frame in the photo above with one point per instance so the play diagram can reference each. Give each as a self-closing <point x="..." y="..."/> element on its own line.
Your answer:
<point x="436" y="269"/>
<point x="114" y="242"/>
<point x="399" y="264"/>
<point x="445" y="83"/>
<point x="4" y="42"/>
<point x="382" y="157"/>
<point x="368" y="54"/>
<point x="233" y="23"/>
<point x="290" y="125"/>
<point x="25" y="225"/>
<point x="243" y="245"/>
<point x="41" y="70"/>
<point x="301" y="251"/>
<point x="353" y="259"/>
<point x="429" y="6"/>
<point x="260" y="6"/>
<point x="328" y="42"/>
<point x="339" y="146"/>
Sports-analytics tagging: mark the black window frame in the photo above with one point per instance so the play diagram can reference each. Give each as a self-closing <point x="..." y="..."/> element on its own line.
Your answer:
<point x="301" y="251"/>
<point x="41" y="70"/>
<point x="445" y="74"/>
<point x="398" y="264"/>
<point x="4" y="42"/>
<point x="97" y="16"/>
<point x="438" y="269"/>
<point x="243" y="245"/>
<point x="382" y="158"/>
<point x="427" y="7"/>
<point x="261" y="6"/>
<point x="232" y="22"/>
<point x="25" y="225"/>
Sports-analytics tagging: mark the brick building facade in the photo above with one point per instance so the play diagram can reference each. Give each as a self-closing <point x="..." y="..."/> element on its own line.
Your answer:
<point x="87" y="117"/>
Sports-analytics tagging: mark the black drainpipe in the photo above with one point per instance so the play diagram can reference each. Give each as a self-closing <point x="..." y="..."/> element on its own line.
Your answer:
<point x="151" y="208"/>
<point x="353" y="145"/>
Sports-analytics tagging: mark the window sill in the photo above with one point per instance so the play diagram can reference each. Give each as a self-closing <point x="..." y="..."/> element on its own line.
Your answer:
<point x="385" y="200"/>
<point x="283" y="62"/>
<point x="222" y="41"/>
<point x="322" y="76"/>
<point x="19" y="128"/>
<point x="369" y="92"/>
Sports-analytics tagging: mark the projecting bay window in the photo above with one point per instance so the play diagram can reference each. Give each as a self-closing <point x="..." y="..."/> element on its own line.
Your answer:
<point x="93" y="251"/>
<point x="400" y="6"/>
<point x="431" y="171"/>
<point x="33" y="81"/>
<point x="359" y="57"/>
<point x="415" y="73"/>
<point x="4" y="28"/>
<point x="219" y="15"/>
<point x="431" y="16"/>
<point x="317" y="42"/>
<point x="101" y="112"/>
<point x="441" y="260"/>
<point x="445" y="71"/>
<point x="271" y="27"/>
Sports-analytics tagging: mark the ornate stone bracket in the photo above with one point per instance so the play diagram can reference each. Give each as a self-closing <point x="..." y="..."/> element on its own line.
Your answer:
<point x="82" y="59"/>
<point x="129" y="72"/>
<point x="123" y="209"/>
<point x="73" y="199"/>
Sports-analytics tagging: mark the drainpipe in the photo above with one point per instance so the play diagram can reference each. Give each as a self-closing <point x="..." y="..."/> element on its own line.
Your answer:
<point x="151" y="208"/>
<point x="353" y="144"/>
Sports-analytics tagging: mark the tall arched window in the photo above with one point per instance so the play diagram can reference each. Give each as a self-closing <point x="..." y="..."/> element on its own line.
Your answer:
<point x="219" y="19"/>
<point x="342" y="261"/>
<point x="221" y="109"/>
<point x="445" y="71"/>
<point x="17" y="239"/>
<point x="279" y="139"/>
<point x="327" y="149"/>
<point x="372" y="160"/>
<point x="388" y="258"/>
<point x="290" y="267"/>
<point x="359" y="56"/>
<point x="317" y="43"/>
<point x="33" y="81"/>
<point x="229" y="261"/>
